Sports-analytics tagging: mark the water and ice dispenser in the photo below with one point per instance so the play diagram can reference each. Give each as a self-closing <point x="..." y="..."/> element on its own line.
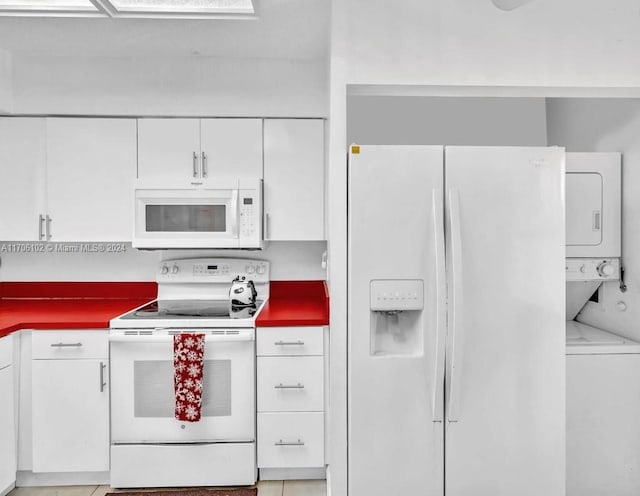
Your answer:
<point x="396" y="316"/>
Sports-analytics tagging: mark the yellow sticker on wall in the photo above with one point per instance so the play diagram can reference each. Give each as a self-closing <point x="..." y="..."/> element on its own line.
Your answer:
<point x="355" y="149"/>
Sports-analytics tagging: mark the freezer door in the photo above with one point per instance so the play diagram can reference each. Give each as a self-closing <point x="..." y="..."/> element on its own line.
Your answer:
<point x="396" y="330"/>
<point x="504" y="393"/>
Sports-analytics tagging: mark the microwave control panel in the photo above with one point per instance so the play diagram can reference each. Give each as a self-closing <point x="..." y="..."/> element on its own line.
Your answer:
<point x="248" y="221"/>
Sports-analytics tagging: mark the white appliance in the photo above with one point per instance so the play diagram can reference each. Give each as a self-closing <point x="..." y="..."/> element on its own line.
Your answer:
<point x="456" y="321"/>
<point x="204" y="213"/>
<point x="593" y="225"/>
<point x="593" y="214"/>
<point x="149" y="447"/>
<point x="603" y="408"/>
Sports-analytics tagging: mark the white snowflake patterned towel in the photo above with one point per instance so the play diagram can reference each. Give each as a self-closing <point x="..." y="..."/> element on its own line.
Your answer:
<point x="188" y="367"/>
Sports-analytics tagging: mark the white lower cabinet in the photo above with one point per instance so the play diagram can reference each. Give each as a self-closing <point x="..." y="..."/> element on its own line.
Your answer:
<point x="291" y="396"/>
<point x="290" y="440"/>
<point x="70" y="401"/>
<point x="7" y="422"/>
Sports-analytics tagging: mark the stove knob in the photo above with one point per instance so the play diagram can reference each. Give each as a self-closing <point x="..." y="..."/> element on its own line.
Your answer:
<point x="164" y="270"/>
<point x="606" y="269"/>
<point x="250" y="269"/>
<point x="261" y="269"/>
<point x="175" y="269"/>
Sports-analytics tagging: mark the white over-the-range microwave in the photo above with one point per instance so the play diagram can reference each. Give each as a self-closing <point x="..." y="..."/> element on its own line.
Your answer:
<point x="210" y="213"/>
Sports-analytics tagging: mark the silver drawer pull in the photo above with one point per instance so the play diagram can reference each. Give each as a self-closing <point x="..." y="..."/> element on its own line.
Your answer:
<point x="289" y="386"/>
<point x="289" y="343"/>
<point x="65" y="345"/>
<point x="299" y="442"/>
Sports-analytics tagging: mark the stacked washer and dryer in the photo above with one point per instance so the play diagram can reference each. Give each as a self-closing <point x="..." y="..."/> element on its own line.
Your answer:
<point x="603" y="369"/>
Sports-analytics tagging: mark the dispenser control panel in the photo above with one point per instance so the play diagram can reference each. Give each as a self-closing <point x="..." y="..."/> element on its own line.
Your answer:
<point x="592" y="269"/>
<point x="388" y="295"/>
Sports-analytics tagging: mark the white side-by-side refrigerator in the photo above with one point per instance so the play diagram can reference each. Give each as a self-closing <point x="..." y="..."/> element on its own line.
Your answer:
<point x="456" y="329"/>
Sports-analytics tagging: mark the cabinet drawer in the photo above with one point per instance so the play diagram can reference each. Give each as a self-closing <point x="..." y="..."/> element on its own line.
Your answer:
<point x="70" y="344"/>
<point x="290" y="384"/>
<point x="290" y="440"/>
<point x="283" y="341"/>
<point x="6" y="351"/>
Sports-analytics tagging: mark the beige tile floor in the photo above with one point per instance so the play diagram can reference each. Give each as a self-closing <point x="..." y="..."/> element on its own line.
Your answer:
<point x="265" y="488"/>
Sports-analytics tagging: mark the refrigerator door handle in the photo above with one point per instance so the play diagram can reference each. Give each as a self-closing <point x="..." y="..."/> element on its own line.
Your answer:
<point x="455" y="308"/>
<point x="437" y="208"/>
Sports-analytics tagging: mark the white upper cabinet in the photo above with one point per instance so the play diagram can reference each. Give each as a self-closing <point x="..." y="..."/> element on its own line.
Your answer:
<point x="231" y="147"/>
<point x="91" y="167"/>
<point x="169" y="148"/>
<point x="66" y="179"/>
<point x="294" y="179"/>
<point x="22" y="177"/>
<point x="199" y="148"/>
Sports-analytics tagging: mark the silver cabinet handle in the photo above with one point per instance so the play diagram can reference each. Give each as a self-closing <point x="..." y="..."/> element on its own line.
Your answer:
<point x="204" y="164"/>
<point x="195" y="164"/>
<point x="40" y="227"/>
<point x="299" y="442"/>
<point x="102" y="383"/>
<point x="66" y="345"/>
<point x="48" y="219"/>
<point x="289" y="386"/>
<point x="289" y="343"/>
<point x="267" y="224"/>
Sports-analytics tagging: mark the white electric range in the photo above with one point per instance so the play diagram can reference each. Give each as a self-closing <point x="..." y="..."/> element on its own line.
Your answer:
<point x="149" y="447"/>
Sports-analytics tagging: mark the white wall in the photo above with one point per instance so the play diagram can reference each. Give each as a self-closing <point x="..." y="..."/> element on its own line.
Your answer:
<point x="609" y="125"/>
<point x="471" y="42"/>
<point x="414" y="120"/>
<point x="290" y="260"/>
<point x="6" y="82"/>
<point x="193" y="86"/>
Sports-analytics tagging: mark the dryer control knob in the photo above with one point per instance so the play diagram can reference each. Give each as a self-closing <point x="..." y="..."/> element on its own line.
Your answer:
<point x="261" y="269"/>
<point x="175" y="269"/>
<point x="605" y="269"/>
<point x="164" y="270"/>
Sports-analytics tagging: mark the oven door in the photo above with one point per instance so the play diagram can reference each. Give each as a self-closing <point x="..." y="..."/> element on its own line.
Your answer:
<point x="142" y="395"/>
<point x="189" y="218"/>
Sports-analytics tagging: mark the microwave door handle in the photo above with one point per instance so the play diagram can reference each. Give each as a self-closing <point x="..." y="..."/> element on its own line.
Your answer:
<point x="235" y="206"/>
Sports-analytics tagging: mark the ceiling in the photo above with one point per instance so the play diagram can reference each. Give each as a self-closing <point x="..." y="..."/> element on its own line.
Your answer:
<point x="285" y="29"/>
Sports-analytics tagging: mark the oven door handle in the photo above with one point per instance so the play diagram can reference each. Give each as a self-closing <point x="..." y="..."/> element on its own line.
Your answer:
<point x="209" y="338"/>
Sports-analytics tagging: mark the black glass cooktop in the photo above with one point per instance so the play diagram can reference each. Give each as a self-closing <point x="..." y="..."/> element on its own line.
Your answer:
<point x="194" y="309"/>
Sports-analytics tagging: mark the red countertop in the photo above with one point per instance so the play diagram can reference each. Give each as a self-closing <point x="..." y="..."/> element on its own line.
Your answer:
<point x="68" y="305"/>
<point x="91" y="305"/>
<point x="295" y="303"/>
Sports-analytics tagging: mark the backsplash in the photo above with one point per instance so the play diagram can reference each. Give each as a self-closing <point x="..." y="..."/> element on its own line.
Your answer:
<point x="290" y="260"/>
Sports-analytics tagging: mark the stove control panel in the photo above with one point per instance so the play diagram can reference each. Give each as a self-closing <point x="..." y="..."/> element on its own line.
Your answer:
<point x="212" y="270"/>
<point x="592" y="269"/>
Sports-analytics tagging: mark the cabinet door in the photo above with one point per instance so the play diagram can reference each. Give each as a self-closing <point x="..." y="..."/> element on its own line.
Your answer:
<point x="169" y="148"/>
<point x="7" y="430"/>
<point x="22" y="177"/>
<point x="91" y="166"/>
<point x="70" y="416"/>
<point x="231" y="147"/>
<point x="294" y="179"/>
